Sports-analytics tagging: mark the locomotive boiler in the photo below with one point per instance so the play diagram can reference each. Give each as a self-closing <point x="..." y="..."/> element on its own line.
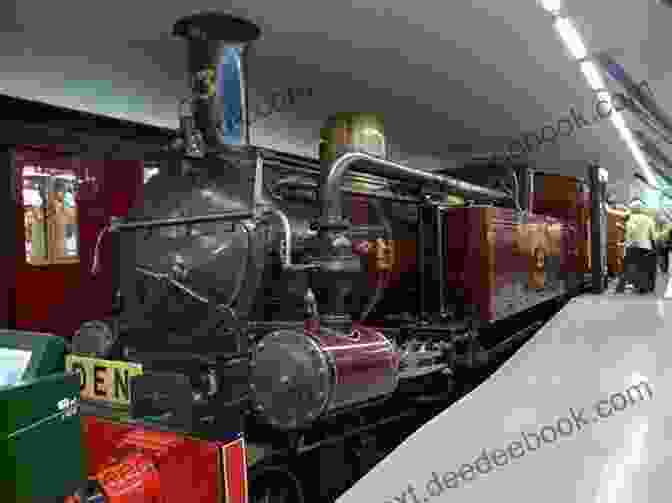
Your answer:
<point x="286" y="290"/>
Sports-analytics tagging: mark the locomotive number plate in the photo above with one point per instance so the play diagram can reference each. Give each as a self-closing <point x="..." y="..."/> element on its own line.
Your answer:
<point x="103" y="380"/>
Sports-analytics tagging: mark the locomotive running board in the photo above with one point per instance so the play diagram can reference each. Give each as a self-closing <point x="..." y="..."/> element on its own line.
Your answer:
<point x="589" y="382"/>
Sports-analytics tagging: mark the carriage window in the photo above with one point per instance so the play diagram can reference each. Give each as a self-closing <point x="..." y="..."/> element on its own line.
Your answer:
<point x="50" y="216"/>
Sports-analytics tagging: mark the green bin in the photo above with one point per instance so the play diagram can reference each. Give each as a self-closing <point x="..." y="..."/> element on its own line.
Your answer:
<point x="40" y="425"/>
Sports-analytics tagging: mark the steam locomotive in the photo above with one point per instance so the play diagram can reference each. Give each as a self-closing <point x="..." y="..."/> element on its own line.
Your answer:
<point x="266" y="292"/>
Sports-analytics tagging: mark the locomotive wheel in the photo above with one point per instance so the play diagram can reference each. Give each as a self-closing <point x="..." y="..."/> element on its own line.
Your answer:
<point x="275" y="485"/>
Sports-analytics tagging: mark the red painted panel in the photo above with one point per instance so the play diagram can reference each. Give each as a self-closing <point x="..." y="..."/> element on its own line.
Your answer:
<point x="57" y="298"/>
<point x="189" y="469"/>
<point x="559" y="196"/>
<point x="502" y="265"/>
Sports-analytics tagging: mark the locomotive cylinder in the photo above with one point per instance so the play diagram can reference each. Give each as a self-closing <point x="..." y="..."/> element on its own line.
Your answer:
<point x="298" y="376"/>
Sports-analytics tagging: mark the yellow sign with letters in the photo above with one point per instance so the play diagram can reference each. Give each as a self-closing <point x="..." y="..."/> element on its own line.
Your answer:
<point x="104" y="380"/>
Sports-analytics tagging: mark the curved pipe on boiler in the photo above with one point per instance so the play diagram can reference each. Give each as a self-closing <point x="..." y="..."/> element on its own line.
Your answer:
<point x="286" y="246"/>
<point x="332" y="207"/>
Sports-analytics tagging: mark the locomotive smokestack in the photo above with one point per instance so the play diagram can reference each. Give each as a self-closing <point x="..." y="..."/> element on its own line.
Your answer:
<point x="217" y="53"/>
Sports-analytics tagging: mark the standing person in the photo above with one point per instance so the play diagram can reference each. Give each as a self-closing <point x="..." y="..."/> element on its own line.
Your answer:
<point x="665" y="226"/>
<point x="666" y="244"/>
<point x="640" y="264"/>
<point x="662" y="248"/>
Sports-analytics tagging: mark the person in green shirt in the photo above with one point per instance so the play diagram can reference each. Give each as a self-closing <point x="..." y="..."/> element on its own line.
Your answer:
<point x="641" y="256"/>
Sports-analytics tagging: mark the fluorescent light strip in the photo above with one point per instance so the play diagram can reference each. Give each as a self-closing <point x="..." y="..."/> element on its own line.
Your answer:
<point x="619" y="122"/>
<point x="574" y="43"/>
<point x="571" y="37"/>
<point x="593" y="75"/>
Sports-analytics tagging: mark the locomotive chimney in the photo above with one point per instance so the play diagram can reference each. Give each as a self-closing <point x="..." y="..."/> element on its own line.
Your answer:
<point x="217" y="52"/>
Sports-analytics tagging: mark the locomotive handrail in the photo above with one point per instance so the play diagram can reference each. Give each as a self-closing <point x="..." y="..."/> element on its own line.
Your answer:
<point x="117" y="224"/>
<point x="331" y="195"/>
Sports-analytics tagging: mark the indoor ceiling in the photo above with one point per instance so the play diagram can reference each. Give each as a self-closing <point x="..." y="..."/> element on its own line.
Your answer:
<point x="449" y="76"/>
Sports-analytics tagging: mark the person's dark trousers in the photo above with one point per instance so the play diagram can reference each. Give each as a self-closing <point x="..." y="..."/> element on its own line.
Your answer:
<point x="640" y="268"/>
<point x="665" y="258"/>
<point x="652" y="268"/>
<point x="662" y="254"/>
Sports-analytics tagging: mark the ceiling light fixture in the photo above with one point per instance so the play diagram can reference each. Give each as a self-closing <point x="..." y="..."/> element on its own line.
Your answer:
<point x="571" y="37"/>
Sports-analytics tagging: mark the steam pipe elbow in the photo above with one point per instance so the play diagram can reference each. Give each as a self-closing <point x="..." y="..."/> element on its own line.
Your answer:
<point x="286" y="247"/>
<point x="331" y="192"/>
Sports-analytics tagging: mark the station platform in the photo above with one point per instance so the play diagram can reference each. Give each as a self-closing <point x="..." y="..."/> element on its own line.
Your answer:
<point x="579" y="413"/>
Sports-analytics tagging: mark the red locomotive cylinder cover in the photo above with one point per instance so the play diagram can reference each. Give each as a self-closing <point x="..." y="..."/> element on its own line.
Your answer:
<point x="298" y="376"/>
